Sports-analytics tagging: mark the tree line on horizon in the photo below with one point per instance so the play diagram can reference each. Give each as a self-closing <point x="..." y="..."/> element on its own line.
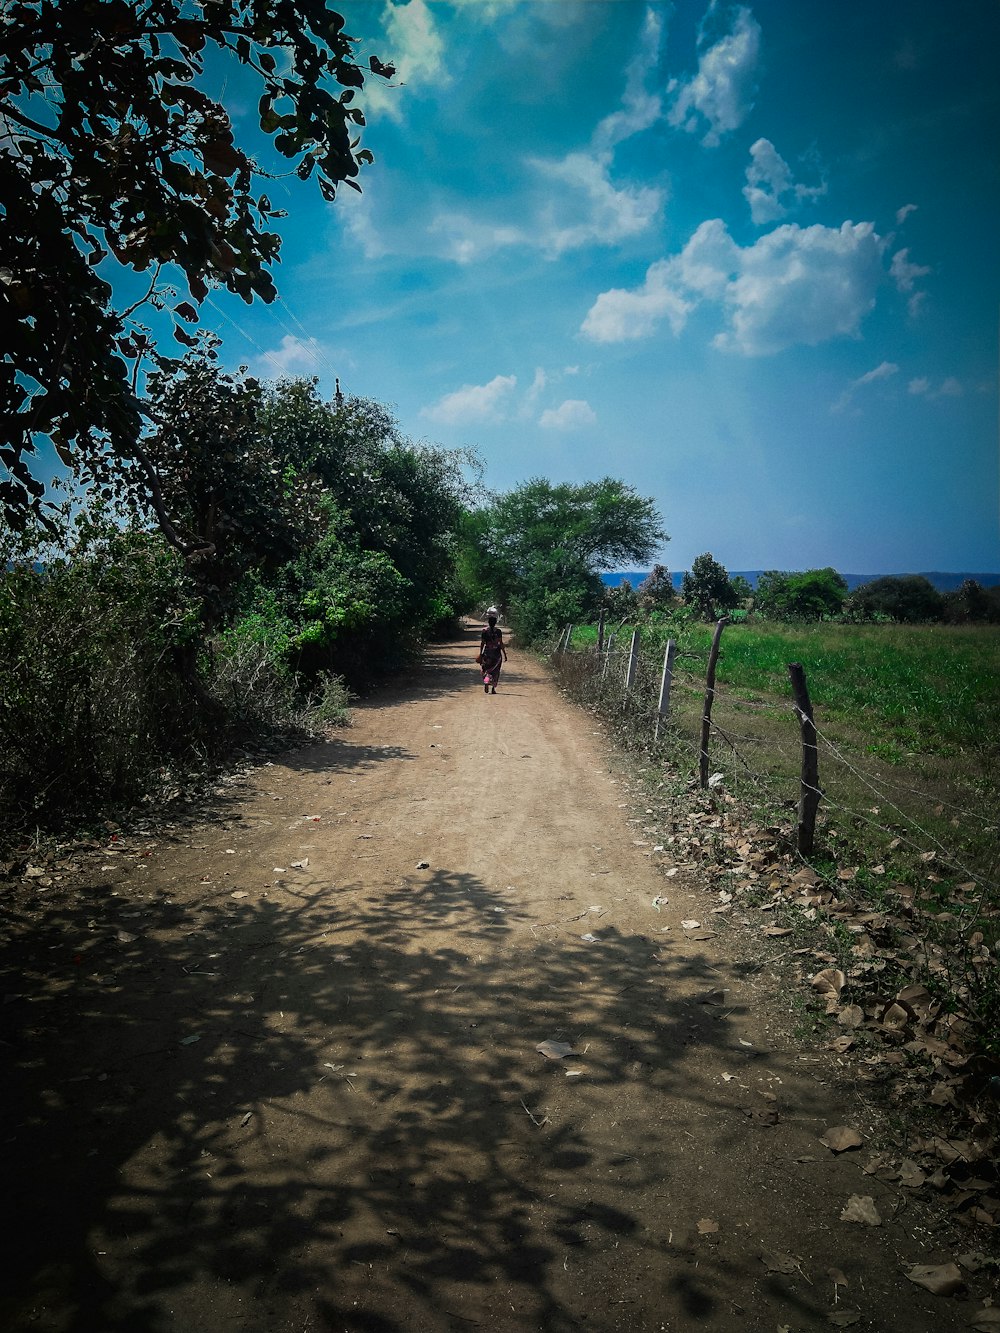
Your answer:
<point x="707" y="590"/>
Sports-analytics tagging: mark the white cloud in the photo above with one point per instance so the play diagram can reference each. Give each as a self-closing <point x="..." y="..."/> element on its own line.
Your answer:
<point x="770" y="189"/>
<point x="291" y="353"/>
<point x="414" y="46"/>
<point x="803" y="286"/>
<point x="618" y="315"/>
<point x="466" y="240"/>
<point x="793" y="286"/>
<point x="570" y="415"/>
<point x="534" y="392"/>
<point x="594" y="210"/>
<point x="948" y="388"/>
<point x="904" y="273"/>
<point x="473" y="402"/>
<point x="720" y="95"/>
<point x="356" y="213"/>
<point x="608" y="214"/>
<point x="883" y="371"/>
<point x="903" y="213"/>
<point x="641" y="108"/>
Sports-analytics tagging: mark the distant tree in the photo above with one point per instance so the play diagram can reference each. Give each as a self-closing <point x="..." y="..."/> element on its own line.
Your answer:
<point x="742" y="589"/>
<point x="622" y="601"/>
<point x="656" y="591"/>
<point x="112" y="154"/>
<point x="706" y="587"/>
<point x="810" y="595"/>
<point x="909" y="598"/>
<point x="542" y="546"/>
<point x="973" y="604"/>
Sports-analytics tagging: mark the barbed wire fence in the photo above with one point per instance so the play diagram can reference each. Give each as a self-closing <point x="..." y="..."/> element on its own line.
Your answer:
<point x="661" y="700"/>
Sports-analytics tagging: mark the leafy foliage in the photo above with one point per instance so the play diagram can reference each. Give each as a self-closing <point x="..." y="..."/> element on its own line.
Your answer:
<point x="111" y="154"/>
<point x="540" y="547"/>
<point x="911" y="599"/>
<point x="656" y="591"/>
<point x="814" y="594"/>
<point x="706" y="587"/>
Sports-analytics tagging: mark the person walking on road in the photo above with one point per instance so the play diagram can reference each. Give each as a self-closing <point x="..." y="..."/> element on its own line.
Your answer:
<point x="492" y="652"/>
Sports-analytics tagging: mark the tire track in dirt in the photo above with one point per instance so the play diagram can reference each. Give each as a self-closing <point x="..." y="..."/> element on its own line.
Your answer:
<point x="293" y="1083"/>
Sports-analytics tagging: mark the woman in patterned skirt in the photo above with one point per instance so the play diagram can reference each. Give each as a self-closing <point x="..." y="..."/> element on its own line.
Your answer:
<point x="492" y="652"/>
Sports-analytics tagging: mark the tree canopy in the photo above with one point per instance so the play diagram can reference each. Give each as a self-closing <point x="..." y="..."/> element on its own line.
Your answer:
<point x="809" y="595"/>
<point x="113" y="157"/>
<point x="539" y="549"/>
<point x="706" y="587"/>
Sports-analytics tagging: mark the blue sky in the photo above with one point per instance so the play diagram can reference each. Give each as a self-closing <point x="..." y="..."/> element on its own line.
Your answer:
<point x="742" y="257"/>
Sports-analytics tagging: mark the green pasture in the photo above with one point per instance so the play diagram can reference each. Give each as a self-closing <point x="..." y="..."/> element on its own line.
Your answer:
<point x="909" y="688"/>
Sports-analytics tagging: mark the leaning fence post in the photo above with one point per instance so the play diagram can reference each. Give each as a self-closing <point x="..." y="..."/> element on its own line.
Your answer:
<point x="706" y="714"/>
<point x="633" y="662"/>
<point x="809" y="792"/>
<point x="663" y="707"/>
<point x="569" y="635"/>
<point x="600" y="631"/>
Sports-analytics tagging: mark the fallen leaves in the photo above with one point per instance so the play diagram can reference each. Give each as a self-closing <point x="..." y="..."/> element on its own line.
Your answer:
<point x="860" y="1208"/>
<point x="939" y="1280"/>
<point x="555" y="1050"/>
<point x="841" y="1138"/>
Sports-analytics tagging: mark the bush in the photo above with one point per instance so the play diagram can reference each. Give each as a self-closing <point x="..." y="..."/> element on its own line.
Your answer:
<point x="910" y="599"/>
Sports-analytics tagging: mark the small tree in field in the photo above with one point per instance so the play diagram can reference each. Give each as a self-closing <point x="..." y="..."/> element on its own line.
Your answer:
<point x="656" y="591"/>
<point x="707" y="589"/>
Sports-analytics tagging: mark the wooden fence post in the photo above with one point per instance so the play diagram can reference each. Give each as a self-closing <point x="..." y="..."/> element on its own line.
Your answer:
<point x="809" y="792"/>
<point x="663" y="707"/>
<point x="706" y="715"/>
<point x="569" y="635"/>
<point x="633" y="662"/>
<point x="600" y="632"/>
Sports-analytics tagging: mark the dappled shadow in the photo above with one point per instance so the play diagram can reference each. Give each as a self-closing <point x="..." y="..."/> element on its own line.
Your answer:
<point x="300" y="1101"/>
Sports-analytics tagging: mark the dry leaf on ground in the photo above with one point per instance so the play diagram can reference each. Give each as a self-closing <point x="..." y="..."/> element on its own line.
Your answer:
<point x="986" y="1320"/>
<point x="706" y="1227"/>
<point x="841" y="1137"/>
<point x="940" y="1279"/>
<point x="861" y="1208"/>
<point x="555" y="1050"/>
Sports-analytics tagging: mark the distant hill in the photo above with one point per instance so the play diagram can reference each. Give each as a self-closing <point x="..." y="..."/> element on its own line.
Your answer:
<point x="944" y="582"/>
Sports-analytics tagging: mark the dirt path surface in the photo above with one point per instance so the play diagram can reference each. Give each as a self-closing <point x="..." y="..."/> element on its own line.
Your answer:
<point x="272" y="1072"/>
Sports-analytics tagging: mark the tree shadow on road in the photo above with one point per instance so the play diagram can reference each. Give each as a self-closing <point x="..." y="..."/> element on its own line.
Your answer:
<point x="330" y="1106"/>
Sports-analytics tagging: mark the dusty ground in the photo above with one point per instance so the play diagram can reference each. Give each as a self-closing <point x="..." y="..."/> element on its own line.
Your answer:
<point x="267" y="1073"/>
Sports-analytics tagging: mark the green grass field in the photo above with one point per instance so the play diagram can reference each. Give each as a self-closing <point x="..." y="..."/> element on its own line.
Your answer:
<point x="908" y="716"/>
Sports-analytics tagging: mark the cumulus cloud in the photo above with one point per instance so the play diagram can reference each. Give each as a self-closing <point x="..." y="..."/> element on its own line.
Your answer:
<point x="720" y="94"/>
<point x="620" y="314"/>
<point x="414" y="46"/>
<point x="903" y="213"/>
<point x="770" y="189"/>
<point x="570" y="415"/>
<point x="884" y="371"/>
<point x="796" y="285"/>
<point x="473" y="402"/>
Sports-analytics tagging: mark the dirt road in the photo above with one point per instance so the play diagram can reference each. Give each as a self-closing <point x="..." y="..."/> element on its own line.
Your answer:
<point x="278" y="1071"/>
